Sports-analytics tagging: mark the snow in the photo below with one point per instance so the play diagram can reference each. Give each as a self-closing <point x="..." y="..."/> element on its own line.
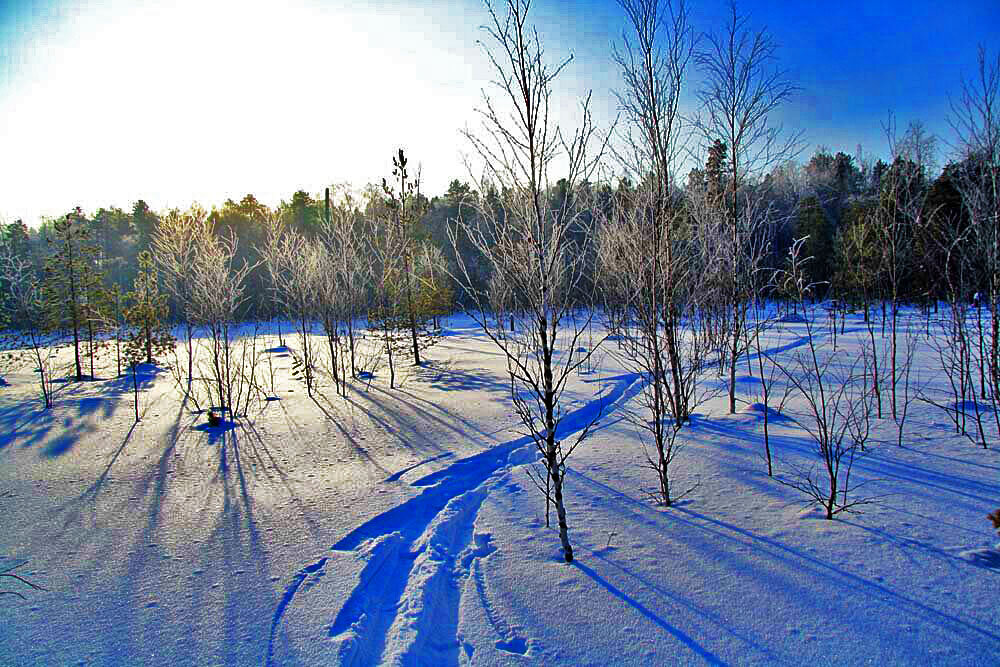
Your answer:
<point x="401" y="527"/>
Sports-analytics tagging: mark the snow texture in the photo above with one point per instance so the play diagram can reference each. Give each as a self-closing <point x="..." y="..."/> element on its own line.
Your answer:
<point x="401" y="527"/>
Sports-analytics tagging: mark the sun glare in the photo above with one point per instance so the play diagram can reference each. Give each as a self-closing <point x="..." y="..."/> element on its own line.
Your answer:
<point x="203" y="101"/>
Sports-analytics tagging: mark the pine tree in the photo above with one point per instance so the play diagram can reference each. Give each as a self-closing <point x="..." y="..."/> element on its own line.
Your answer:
<point x="17" y="240"/>
<point x="407" y="206"/>
<point x="71" y="279"/>
<point x="146" y="316"/>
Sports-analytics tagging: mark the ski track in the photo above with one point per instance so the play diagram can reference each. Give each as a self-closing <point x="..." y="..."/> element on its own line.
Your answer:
<point x="418" y="553"/>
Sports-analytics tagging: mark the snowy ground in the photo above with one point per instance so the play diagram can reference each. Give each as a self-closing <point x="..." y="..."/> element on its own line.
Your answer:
<point x="399" y="526"/>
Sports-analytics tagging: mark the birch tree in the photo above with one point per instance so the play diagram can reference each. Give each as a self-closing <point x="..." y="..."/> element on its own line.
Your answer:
<point x="218" y="291"/>
<point x="295" y="267"/>
<point x="976" y="121"/>
<point x="175" y="244"/>
<point x="26" y="307"/>
<point x="838" y="407"/>
<point x="531" y="241"/>
<point x="645" y="255"/>
<point x="741" y="91"/>
<point x="897" y="216"/>
<point x="348" y="270"/>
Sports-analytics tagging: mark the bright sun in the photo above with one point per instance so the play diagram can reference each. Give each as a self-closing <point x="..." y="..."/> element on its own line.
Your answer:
<point x="207" y="100"/>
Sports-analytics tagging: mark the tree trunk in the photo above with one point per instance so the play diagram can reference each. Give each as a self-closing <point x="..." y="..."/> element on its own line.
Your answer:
<point x="557" y="488"/>
<point x="90" y="346"/>
<point x="350" y="335"/>
<point x="135" y="392"/>
<point x="190" y="351"/>
<point x="411" y="310"/>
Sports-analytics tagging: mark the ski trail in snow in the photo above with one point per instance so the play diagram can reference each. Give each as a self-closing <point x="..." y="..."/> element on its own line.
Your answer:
<point x="286" y="599"/>
<point x="426" y="624"/>
<point x="416" y="552"/>
<point x="370" y="609"/>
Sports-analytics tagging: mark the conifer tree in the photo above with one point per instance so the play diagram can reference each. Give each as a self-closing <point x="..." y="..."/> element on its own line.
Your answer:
<point x="71" y="280"/>
<point x="147" y="314"/>
<point x="146" y="317"/>
<point x="814" y="226"/>
<point x="407" y="208"/>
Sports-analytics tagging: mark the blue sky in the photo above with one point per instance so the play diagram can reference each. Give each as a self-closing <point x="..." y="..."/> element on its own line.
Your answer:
<point x="107" y="101"/>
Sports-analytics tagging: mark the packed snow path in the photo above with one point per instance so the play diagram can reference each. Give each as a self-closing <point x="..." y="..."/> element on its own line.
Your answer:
<point x="405" y="606"/>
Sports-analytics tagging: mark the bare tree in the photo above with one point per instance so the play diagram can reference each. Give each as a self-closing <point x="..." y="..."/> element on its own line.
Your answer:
<point x="838" y="408"/>
<point x="741" y="92"/>
<point x="900" y="210"/>
<point x="531" y="240"/>
<point x="28" y="313"/>
<point x="217" y="294"/>
<point x="175" y="247"/>
<point x="645" y="256"/>
<point x="347" y="269"/>
<point x="954" y="346"/>
<point x="650" y="271"/>
<point x="763" y="323"/>
<point x="336" y="296"/>
<point x="387" y="314"/>
<point x="295" y="266"/>
<point x="976" y="121"/>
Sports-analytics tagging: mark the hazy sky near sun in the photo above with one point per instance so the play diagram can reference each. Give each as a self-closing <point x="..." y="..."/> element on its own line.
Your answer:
<point x="103" y="102"/>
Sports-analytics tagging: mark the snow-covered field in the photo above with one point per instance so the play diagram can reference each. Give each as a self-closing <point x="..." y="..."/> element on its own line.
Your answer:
<point x="400" y="527"/>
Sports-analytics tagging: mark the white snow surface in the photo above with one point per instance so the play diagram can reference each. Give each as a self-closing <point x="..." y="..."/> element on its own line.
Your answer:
<point x="401" y="527"/>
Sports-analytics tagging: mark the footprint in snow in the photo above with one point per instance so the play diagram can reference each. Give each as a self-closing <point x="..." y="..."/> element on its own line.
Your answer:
<point x="514" y="645"/>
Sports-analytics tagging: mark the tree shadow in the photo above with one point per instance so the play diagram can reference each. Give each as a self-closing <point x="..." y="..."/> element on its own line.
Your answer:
<point x="443" y="376"/>
<point x="768" y="552"/>
<point x="677" y="633"/>
<point x="874" y="465"/>
<point x="75" y="406"/>
<point x="216" y="433"/>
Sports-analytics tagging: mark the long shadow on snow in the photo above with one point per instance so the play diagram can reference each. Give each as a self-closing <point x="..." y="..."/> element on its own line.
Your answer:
<point x="777" y="552"/>
<point x="697" y="648"/>
<point x="72" y="405"/>
<point x="443" y="376"/>
<point x="74" y="508"/>
<point x="268" y="462"/>
<point x="872" y="465"/>
<point x="235" y="544"/>
<point x="125" y="637"/>
<point x="412" y="517"/>
<point x="447" y="420"/>
<point x="359" y="450"/>
<point x="236" y="531"/>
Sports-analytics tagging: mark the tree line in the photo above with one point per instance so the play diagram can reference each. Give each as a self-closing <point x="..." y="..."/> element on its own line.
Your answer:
<point x="847" y="205"/>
